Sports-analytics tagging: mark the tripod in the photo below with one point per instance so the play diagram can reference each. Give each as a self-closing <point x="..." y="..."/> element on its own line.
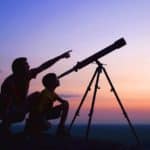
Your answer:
<point x="96" y="75"/>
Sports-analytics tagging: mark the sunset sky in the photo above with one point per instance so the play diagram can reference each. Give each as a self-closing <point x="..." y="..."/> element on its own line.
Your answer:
<point x="43" y="29"/>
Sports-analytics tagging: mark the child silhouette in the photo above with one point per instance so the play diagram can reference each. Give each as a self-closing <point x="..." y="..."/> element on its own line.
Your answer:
<point x="44" y="108"/>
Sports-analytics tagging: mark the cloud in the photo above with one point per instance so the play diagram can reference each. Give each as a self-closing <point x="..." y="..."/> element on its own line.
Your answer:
<point x="70" y="95"/>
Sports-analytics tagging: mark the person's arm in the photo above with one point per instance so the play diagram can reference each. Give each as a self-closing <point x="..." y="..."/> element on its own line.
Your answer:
<point x="50" y="62"/>
<point x="47" y="64"/>
<point x="61" y="100"/>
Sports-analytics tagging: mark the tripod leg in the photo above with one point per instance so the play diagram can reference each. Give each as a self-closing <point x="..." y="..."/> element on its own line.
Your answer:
<point x="82" y="100"/>
<point x="122" y="107"/>
<point x="93" y="102"/>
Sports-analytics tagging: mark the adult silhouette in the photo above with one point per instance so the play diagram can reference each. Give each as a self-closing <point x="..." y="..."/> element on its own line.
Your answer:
<point x="15" y="87"/>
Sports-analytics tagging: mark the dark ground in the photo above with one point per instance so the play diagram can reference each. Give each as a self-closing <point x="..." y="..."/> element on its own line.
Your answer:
<point x="51" y="142"/>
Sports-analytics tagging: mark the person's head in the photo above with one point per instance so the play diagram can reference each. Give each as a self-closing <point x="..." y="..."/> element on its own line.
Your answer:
<point x="20" y="65"/>
<point x="50" y="81"/>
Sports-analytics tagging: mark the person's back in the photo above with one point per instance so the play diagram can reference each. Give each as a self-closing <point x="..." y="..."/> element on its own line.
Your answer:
<point x="37" y="120"/>
<point x="15" y="89"/>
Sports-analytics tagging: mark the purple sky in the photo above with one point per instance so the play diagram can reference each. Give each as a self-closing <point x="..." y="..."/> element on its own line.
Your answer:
<point x="42" y="29"/>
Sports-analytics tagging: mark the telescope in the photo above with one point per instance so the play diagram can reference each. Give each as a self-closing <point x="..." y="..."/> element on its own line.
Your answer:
<point x="116" y="45"/>
<point x="100" y="68"/>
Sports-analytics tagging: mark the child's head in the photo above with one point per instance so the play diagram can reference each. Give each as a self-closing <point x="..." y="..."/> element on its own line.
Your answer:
<point x="50" y="81"/>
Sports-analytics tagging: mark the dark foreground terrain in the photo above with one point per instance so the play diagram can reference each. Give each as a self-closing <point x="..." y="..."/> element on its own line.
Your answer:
<point x="102" y="137"/>
<point x="50" y="142"/>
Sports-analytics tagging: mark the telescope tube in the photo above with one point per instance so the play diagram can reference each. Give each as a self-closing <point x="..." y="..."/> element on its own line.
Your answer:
<point x="117" y="44"/>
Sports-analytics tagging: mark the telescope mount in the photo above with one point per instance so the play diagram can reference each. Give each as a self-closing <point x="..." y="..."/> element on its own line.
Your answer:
<point x="100" y="68"/>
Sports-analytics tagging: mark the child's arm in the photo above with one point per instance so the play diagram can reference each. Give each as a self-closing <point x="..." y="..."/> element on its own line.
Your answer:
<point x="61" y="100"/>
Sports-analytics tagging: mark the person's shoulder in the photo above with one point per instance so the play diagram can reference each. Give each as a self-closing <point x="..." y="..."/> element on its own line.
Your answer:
<point x="44" y="92"/>
<point x="8" y="80"/>
<point x="47" y="93"/>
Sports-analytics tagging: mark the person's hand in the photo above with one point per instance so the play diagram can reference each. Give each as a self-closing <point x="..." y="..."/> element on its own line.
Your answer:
<point x="66" y="54"/>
